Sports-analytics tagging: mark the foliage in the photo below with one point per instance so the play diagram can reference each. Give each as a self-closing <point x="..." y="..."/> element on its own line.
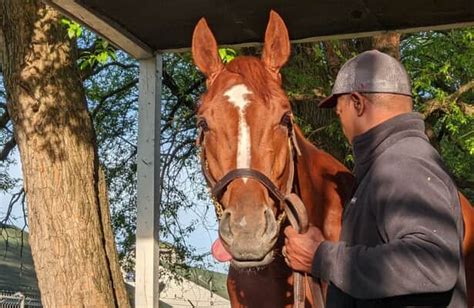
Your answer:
<point x="98" y="53"/>
<point x="307" y="78"/>
<point x="73" y="28"/>
<point x="101" y="53"/>
<point x="440" y="65"/>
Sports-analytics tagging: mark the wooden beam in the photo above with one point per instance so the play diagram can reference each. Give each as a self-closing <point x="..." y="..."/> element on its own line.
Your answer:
<point x="148" y="185"/>
<point x="104" y="27"/>
<point x="120" y="37"/>
<point x="348" y="35"/>
<point x="372" y="33"/>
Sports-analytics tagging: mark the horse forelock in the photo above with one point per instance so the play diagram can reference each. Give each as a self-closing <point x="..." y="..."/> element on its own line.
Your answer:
<point x="256" y="77"/>
<point x="251" y="72"/>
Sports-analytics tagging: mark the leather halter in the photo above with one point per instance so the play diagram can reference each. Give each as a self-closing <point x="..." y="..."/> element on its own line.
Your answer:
<point x="290" y="203"/>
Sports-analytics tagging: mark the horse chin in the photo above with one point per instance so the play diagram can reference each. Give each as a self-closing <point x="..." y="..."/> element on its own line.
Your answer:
<point x="251" y="265"/>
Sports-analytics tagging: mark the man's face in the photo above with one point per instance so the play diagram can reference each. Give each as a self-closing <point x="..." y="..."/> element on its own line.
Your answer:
<point x="347" y="115"/>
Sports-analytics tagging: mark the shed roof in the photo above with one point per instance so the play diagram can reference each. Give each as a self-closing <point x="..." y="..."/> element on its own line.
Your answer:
<point x="160" y="25"/>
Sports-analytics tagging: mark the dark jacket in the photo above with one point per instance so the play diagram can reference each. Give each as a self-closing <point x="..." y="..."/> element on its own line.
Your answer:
<point x="401" y="240"/>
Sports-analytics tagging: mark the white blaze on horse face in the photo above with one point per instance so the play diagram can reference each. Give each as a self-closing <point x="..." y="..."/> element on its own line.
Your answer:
<point x="237" y="97"/>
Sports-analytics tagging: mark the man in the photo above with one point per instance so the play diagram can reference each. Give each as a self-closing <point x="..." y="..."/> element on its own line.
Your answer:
<point x="402" y="230"/>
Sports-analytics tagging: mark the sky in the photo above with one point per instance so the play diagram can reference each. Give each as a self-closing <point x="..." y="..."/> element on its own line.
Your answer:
<point x="16" y="217"/>
<point x="204" y="235"/>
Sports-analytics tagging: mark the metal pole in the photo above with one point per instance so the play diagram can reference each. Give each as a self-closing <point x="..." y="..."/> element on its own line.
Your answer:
<point x="22" y="299"/>
<point x="148" y="182"/>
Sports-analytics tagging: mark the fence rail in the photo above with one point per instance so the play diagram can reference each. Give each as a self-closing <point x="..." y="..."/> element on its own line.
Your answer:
<point x="18" y="300"/>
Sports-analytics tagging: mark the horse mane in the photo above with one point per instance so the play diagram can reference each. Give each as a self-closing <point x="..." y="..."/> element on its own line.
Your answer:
<point x="256" y="77"/>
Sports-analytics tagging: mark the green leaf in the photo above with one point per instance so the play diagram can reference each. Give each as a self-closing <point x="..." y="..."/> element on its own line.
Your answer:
<point x="102" y="57"/>
<point x="74" y="30"/>
<point x="227" y="54"/>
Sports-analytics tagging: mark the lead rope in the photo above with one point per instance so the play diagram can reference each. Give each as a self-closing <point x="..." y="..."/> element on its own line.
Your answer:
<point x="300" y="224"/>
<point x="299" y="287"/>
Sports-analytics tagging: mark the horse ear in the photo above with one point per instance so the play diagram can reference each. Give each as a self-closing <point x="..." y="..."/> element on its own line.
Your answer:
<point x="205" y="52"/>
<point x="276" y="49"/>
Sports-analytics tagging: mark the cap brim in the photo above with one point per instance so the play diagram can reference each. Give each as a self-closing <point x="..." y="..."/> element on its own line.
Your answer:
<point x="328" y="102"/>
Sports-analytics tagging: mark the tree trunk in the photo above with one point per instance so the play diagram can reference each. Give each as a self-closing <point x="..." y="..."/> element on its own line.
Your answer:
<point x="110" y="248"/>
<point x="388" y="42"/>
<point x="57" y="146"/>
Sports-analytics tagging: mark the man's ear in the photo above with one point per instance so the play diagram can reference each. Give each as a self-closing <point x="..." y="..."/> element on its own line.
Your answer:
<point x="359" y="102"/>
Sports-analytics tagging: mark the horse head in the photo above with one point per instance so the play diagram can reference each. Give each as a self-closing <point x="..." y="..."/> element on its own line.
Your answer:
<point x="245" y="123"/>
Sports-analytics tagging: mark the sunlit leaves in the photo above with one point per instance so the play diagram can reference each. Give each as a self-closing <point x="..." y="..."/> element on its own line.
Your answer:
<point x="74" y="30"/>
<point x="100" y="54"/>
<point x="227" y="54"/>
<point x="440" y="63"/>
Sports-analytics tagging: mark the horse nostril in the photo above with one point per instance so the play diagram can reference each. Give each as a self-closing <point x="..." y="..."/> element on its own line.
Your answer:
<point x="224" y="226"/>
<point x="270" y="223"/>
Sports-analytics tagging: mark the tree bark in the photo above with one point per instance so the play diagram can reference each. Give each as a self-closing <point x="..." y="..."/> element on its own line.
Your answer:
<point x="56" y="140"/>
<point x="388" y="43"/>
<point x="334" y="62"/>
<point x="110" y="248"/>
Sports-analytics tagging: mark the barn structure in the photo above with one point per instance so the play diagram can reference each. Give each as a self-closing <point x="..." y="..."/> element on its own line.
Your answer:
<point x="147" y="28"/>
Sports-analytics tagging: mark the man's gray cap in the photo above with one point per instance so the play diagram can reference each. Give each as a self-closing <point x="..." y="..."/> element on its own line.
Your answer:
<point x="369" y="72"/>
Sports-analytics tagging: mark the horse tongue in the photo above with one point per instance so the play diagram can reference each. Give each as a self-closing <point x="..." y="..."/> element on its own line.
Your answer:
<point x="219" y="252"/>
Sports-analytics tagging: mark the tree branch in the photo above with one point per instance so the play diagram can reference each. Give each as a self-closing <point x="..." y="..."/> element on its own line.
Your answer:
<point x="182" y="99"/>
<point x="2" y="41"/>
<point x="169" y="82"/>
<point x="125" y="87"/>
<point x="13" y="200"/>
<point x="4" y="119"/>
<point x="434" y="104"/>
<point x="7" y="148"/>
<point x="97" y="70"/>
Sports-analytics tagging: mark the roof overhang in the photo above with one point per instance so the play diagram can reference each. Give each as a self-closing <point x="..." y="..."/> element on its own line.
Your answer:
<point x="143" y="27"/>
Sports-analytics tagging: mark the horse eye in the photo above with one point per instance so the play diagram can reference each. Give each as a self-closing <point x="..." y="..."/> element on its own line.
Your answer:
<point x="286" y="120"/>
<point x="202" y="124"/>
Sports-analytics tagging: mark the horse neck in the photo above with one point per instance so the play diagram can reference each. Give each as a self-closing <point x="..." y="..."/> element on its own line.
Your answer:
<point x="324" y="184"/>
<point x="304" y="179"/>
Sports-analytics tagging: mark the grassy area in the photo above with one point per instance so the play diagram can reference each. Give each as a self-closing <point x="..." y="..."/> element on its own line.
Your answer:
<point x="213" y="281"/>
<point x="16" y="264"/>
<point x="209" y="279"/>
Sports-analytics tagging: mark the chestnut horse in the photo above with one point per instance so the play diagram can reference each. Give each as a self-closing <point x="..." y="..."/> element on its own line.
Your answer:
<point x="245" y="123"/>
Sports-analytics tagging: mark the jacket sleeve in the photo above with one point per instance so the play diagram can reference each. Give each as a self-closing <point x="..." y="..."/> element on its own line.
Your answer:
<point x="417" y="221"/>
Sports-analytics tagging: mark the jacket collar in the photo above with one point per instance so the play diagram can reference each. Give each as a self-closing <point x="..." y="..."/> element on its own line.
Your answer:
<point x="369" y="145"/>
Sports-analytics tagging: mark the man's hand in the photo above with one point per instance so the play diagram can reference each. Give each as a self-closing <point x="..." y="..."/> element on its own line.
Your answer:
<point x="299" y="249"/>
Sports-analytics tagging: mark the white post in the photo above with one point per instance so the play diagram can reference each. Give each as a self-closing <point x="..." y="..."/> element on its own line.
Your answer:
<point x="148" y="173"/>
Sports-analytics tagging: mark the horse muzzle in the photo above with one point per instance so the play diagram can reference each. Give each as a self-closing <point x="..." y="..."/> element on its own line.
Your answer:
<point x="250" y="238"/>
